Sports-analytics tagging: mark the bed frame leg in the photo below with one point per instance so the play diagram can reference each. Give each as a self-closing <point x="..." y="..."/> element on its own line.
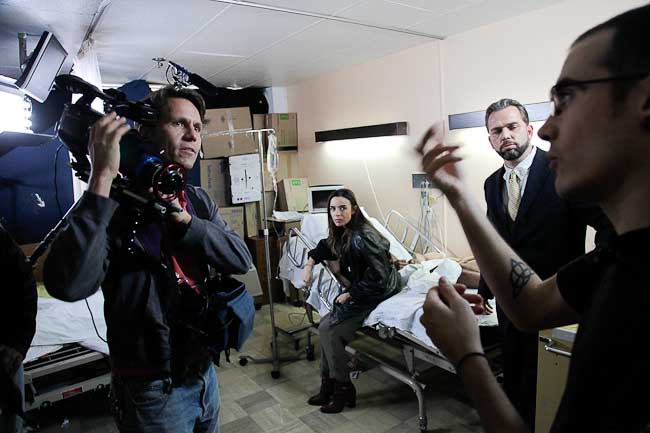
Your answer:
<point x="416" y="386"/>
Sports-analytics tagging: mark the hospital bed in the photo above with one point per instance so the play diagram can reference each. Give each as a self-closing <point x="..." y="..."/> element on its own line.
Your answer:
<point x="395" y="321"/>
<point x="67" y="357"/>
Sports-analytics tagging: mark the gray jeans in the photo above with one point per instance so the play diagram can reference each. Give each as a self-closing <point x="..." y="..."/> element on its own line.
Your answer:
<point x="333" y="339"/>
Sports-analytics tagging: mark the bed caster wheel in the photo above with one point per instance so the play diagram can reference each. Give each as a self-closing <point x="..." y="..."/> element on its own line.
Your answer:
<point x="309" y="352"/>
<point x="275" y="374"/>
<point x="243" y="361"/>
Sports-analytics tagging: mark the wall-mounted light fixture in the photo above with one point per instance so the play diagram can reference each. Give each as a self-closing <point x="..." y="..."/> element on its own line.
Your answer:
<point x="536" y="112"/>
<point x="383" y="130"/>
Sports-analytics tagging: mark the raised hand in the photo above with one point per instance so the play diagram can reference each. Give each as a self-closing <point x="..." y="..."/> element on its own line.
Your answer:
<point x="104" y="151"/>
<point x="439" y="160"/>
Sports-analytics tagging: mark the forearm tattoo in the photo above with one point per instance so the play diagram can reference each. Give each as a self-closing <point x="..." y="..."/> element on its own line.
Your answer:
<point x="520" y="275"/>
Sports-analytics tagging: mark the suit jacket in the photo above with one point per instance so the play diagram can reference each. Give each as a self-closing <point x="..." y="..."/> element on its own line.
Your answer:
<point x="548" y="231"/>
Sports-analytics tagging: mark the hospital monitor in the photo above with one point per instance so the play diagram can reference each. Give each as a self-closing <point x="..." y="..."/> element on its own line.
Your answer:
<point x="42" y="67"/>
<point x="318" y="195"/>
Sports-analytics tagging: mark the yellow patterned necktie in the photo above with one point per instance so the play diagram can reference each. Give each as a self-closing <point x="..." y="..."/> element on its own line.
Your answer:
<point x="514" y="195"/>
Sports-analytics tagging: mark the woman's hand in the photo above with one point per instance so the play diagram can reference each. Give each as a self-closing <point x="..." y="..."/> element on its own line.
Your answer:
<point x="308" y="274"/>
<point x="343" y="298"/>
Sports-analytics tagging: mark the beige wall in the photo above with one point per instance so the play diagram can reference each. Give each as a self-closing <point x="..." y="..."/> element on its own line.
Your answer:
<point x="400" y="87"/>
<point x="518" y="58"/>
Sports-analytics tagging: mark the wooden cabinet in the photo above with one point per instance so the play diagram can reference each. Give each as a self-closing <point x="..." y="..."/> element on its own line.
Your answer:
<point x="256" y="246"/>
<point x="554" y="349"/>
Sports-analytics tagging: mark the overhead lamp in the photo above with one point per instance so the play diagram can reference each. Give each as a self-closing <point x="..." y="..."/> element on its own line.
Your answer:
<point x="538" y="111"/>
<point x="382" y="130"/>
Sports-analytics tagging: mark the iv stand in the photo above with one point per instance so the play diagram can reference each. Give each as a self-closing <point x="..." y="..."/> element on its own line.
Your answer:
<point x="275" y="358"/>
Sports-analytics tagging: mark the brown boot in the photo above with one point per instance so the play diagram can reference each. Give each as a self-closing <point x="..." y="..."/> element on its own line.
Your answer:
<point x="344" y="395"/>
<point x="325" y="393"/>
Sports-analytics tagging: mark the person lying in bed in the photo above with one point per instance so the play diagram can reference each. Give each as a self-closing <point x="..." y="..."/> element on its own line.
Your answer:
<point x="362" y="263"/>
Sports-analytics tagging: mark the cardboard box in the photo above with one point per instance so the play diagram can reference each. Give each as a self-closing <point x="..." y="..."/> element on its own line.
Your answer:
<point x="215" y="180"/>
<point x="252" y="219"/>
<point x="254" y="210"/>
<point x="292" y="194"/>
<point x="234" y="217"/>
<point x="245" y="178"/>
<point x="228" y="119"/>
<point x="287" y="167"/>
<point x="286" y="128"/>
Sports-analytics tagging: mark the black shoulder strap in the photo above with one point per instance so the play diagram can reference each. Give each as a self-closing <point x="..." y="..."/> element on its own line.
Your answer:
<point x="199" y="205"/>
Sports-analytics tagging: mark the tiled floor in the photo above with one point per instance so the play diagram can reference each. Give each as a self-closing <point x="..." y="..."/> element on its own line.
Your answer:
<point x="252" y="401"/>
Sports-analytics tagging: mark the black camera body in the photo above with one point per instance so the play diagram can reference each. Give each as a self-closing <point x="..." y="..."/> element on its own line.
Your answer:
<point x="140" y="169"/>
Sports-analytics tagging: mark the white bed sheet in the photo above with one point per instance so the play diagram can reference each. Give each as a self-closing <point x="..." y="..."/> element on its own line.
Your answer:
<point x="401" y="311"/>
<point x="59" y="323"/>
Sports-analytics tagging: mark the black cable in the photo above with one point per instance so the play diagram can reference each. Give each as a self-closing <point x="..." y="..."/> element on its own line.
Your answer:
<point x="93" y="319"/>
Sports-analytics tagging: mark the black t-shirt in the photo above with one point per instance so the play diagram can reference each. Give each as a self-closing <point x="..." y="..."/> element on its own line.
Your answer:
<point x="608" y="387"/>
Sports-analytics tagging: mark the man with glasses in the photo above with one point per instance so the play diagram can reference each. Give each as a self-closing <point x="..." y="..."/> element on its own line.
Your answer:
<point x="546" y="231"/>
<point x="600" y="152"/>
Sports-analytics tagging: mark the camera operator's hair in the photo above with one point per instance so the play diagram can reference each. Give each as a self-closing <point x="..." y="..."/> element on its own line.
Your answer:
<point x="629" y="51"/>
<point x="160" y="98"/>
<point x="504" y="103"/>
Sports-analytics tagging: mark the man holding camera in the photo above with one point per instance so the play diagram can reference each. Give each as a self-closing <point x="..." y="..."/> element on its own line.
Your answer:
<point x="163" y="380"/>
<point x="599" y="131"/>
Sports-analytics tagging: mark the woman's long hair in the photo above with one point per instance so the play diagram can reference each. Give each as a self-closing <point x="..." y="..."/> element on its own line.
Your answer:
<point x="339" y="238"/>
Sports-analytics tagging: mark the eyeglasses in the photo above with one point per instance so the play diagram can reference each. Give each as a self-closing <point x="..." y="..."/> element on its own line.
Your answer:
<point x="561" y="93"/>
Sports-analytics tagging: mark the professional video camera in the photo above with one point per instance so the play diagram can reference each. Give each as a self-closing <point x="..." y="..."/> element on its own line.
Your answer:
<point x="140" y="170"/>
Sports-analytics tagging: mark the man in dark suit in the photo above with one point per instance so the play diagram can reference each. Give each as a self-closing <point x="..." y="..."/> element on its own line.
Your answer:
<point x="545" y="230"/>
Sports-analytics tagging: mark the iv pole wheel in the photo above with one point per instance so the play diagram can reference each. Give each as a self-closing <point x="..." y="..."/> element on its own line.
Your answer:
<point x="275" y="374"/>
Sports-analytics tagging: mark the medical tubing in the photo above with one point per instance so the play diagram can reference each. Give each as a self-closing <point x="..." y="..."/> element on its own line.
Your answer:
<point x="465" y="358"/>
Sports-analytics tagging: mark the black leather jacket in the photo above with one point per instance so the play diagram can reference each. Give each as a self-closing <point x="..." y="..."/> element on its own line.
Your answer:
<point x="368" y="267"/>
<point x="91" y="251"/>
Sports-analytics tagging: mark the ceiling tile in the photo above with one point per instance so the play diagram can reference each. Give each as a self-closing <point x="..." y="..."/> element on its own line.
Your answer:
<point x="478" y="14"/>
<point x="434" y="6"/>
<point x="386" y="14"/>
<point x="314" y="6"/>
<point x="244" y="31"/>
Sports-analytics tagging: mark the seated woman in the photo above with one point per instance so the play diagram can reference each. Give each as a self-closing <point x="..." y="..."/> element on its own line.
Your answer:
<point x="368" y="275"/>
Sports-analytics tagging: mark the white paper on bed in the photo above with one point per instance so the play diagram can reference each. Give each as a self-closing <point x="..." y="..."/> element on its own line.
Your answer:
<point x="59" y="322"/>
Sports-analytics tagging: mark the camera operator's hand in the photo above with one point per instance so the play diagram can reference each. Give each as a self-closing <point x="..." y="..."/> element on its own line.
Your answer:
<point x="182" y="217"/>
<point x="104" y="151"/>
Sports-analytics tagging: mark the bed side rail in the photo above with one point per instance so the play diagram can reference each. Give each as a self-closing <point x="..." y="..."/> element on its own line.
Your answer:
<point x="409" y="235"/>
<point x="297" y="254"/>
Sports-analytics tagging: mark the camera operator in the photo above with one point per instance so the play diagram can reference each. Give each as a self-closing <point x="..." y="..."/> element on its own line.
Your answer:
<point x="162" y="381"/>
